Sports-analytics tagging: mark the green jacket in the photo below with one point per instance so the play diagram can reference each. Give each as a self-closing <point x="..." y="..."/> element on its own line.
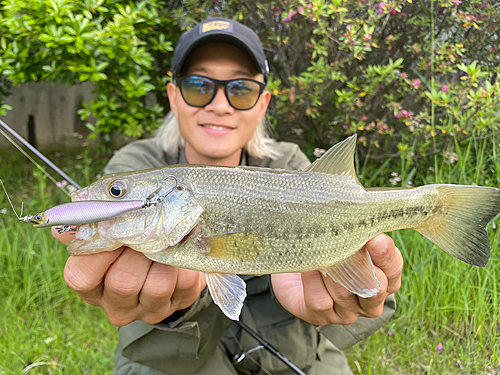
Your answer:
<point x="203" y="340"/>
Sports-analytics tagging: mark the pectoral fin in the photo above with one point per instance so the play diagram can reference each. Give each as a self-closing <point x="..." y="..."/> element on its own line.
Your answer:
<point x="228" y="292"/>
<point x="356" y="274"/>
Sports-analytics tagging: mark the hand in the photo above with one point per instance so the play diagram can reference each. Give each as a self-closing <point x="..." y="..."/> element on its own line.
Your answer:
<point x="128" y="286"/>
<point x="319" y="300"/>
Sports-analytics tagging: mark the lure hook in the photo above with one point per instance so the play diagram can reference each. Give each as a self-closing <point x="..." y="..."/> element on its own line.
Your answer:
<point x="154" y="199"/>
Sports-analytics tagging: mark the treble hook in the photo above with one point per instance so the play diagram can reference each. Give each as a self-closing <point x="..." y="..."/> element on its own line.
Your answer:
<point x="154" y="200"/>
<point x="65" y="228"/>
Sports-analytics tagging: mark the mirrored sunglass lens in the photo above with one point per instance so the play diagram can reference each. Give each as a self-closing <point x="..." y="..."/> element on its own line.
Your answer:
<point x="243" y="94"/>
<point x="197" y="91"/>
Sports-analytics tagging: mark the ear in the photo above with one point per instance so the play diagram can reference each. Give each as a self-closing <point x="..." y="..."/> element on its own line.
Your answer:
<point x="264" y="100"/>
<point x="172" y="97"/>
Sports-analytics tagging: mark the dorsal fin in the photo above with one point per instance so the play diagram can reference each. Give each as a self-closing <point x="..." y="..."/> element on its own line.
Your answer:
<point x="339" y="159"/>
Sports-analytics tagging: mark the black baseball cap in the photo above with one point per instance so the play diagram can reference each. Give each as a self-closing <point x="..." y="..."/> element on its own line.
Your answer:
<point x="220" y="30"/>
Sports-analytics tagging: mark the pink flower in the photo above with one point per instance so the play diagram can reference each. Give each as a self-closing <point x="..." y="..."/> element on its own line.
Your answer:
<point x="62" y="184"/>
<point x="289" y="17"/>
<point x="310" y="6"/>
<point x="444" y="88"/>
<point x="381" y="8"/>
<point x="277" y="12"/>
<point x="439" y="347"/>
<point x="301" y="10"/>
<point x="318" y="152"/>
<point x="404" y="114"/>
<point x="416" y="83"/>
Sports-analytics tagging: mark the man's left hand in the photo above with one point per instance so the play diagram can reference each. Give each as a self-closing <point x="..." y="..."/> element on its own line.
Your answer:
<point x="319" y="300"/>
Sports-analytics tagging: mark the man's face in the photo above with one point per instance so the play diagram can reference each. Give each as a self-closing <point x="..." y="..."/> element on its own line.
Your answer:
<point x="216" y="133"/>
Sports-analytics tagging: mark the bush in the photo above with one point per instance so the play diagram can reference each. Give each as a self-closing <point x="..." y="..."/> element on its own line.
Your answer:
<point x="119" y="45"/>
<point x="414" y="79"/>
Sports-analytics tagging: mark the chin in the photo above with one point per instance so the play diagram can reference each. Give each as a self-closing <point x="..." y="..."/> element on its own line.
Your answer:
<point x="218" y="154"/>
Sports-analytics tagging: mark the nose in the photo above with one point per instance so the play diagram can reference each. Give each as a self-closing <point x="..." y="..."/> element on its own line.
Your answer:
<point x="219" y="105"/>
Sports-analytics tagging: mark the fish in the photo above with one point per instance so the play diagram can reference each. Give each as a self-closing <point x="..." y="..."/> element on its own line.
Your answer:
<point x="230" y="221"/>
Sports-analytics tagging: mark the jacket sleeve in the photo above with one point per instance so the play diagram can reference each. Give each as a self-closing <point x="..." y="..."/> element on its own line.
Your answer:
<point x="178" y="347"/>
<point x="345" y="336"/>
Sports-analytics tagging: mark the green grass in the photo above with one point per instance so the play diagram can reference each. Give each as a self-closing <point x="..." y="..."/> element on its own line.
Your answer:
<point x="46" y="329"/>
<point x="441" y="300"/>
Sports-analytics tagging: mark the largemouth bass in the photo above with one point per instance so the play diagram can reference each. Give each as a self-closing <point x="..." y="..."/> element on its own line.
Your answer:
<point x="247" y="220"/>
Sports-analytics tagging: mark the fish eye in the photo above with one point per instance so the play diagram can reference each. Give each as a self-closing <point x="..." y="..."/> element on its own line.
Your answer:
<point x="117" y="188"/>
<point x="38" y="217"/>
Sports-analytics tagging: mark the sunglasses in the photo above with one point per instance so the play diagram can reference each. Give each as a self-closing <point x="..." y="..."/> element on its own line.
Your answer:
<point x="199" y="91"/>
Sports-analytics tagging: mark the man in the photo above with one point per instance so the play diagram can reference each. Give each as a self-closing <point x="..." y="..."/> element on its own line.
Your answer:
<point x="169" y="324"/>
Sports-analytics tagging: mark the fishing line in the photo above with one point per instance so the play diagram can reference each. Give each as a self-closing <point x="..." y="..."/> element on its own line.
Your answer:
<point x="32" y="160"/>
<point x="11" y="205"/>
<point x="37" y="153"/>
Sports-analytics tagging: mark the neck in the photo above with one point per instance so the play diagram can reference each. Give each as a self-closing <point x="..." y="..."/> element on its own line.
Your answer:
<point x="193" y="157"/>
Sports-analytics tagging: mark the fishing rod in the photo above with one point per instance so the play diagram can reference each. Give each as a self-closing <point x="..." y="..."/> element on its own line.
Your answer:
<point x="39" y="154"/>
<point x="252" y="333"/>
<point x="270" y="348"/>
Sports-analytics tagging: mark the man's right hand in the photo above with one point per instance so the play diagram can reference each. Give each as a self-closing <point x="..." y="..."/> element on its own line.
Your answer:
<point x="128" y="286"/>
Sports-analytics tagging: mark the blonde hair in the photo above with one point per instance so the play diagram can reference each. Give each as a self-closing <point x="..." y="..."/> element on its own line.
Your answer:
<point x="260" y="146"/>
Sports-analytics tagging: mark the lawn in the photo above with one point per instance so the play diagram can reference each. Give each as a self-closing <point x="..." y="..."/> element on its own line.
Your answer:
<point x="447" y="321"/>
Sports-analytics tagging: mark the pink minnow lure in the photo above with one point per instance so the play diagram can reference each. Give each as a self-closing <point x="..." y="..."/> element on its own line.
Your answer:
<point x="92" y="211"/>
<point x="82" y="212"/>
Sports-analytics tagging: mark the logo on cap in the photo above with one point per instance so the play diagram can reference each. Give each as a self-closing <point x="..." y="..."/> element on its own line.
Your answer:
<point x="217" y="25"/>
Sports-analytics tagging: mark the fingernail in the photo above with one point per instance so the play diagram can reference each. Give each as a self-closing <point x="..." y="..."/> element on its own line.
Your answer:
<point x="379" y="243"/>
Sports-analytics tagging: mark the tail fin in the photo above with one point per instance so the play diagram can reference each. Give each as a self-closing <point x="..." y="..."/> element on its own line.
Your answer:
<point x="462" y="231"/>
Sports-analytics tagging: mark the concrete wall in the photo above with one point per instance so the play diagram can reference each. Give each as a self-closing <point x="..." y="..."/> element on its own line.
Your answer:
<point x="46" y="114"/>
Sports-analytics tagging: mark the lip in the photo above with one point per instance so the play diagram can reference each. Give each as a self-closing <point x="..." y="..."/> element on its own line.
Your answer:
<point x="216" y="129"/>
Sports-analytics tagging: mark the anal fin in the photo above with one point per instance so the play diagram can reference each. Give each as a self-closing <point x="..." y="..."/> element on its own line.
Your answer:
<point x="356" y="274"/>
<point x="228" y="292"/>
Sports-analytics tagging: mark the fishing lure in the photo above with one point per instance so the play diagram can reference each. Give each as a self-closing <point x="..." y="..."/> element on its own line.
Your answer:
<point x="85" y="212"/>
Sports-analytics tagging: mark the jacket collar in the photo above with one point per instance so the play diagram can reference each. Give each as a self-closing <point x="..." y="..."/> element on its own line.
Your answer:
<point x="181" y="157"/>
